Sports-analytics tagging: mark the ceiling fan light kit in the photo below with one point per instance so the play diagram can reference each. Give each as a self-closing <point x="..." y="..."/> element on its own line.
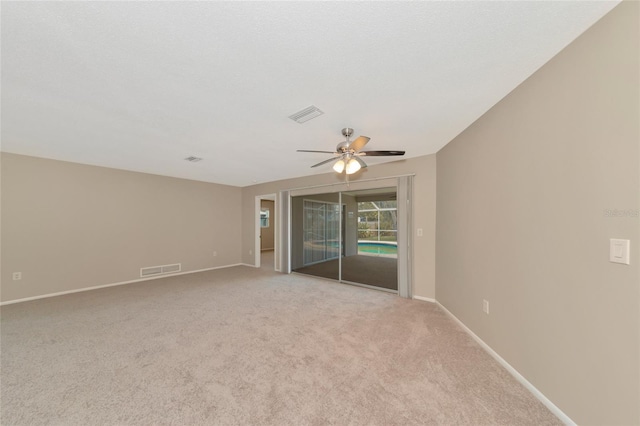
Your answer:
<point x="352" y="167"/>
<point x="349" y="152"/>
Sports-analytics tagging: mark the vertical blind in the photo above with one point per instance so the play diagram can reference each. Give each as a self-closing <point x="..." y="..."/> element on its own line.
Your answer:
<point x="321" y="230"/>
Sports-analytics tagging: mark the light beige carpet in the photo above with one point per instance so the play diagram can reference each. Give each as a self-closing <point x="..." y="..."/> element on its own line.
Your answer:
<point x="248" y="346"/>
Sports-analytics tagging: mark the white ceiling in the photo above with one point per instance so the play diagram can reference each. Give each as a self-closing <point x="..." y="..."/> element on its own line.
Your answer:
<point x="142" y="85"/>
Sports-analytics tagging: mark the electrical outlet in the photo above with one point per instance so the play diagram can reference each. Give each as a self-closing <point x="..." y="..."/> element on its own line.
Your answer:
<point x="485" y="306"/>
<point x="17" y="276"/>
<point x="215" y="253"/>
<point x="250" y="251"/>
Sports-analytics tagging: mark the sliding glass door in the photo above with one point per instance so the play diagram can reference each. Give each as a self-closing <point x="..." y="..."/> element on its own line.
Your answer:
<point x="358" y="235"/>
<point x="349" y="236"/>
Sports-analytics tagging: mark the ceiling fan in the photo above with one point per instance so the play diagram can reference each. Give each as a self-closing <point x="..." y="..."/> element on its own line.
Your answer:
<point x="348" y="153"/>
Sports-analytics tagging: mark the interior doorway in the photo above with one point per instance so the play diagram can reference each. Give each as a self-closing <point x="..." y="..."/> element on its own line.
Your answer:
<point x="266" y="232"/>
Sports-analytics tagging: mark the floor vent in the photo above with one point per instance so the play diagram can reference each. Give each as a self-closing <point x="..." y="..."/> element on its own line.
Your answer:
<point x="160" y="270"/>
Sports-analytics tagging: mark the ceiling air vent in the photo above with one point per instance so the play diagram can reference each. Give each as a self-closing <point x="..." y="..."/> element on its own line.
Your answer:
<point x="306" y="114"/>
<point x="193" y="159"/>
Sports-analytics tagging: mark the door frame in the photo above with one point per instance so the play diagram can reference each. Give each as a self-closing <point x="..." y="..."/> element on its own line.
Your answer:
<point x="276" y="230"/>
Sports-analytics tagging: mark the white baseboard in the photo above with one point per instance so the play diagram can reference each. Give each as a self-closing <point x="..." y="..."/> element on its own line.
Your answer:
<point x="249" y="265"/>
<point x="424" y="299"/>
<point x="61" y="293"/>
<point x="519" y="377"/>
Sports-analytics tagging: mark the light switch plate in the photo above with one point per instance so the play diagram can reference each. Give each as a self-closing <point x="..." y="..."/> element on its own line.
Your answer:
<point x="619" y="251"/>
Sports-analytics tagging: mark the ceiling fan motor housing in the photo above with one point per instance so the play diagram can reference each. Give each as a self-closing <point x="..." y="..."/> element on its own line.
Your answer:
<point x="343" y="146"/>
<point x="347" y="131"/>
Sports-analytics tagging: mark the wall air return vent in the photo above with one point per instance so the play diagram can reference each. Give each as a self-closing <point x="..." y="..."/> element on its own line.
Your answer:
<point x="167" y="269"/>
<point x="153" y="270"/>
<point x="306" y="114"/>
<point x="160" y="270"/>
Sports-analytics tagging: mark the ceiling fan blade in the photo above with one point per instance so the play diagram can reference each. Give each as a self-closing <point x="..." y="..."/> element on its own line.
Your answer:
<point x="324" y="162"/>
<point x="322" y="152"/>
<point x="359" y="143"/>
<point x="381" y="153"/>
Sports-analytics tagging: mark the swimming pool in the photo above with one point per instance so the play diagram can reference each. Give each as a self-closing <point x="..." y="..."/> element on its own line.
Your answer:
<point x="379" y="248"/>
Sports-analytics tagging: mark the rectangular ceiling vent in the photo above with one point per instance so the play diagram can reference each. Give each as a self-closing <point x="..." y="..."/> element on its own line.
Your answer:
<point x="160" y="270"/>
<point x="306" y="114"/>
<point x="193" y="159"/>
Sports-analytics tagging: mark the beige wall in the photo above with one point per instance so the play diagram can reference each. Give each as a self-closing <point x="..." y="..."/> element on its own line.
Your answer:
<point x="522" y="196"/>
<point x="68" y="226"/>
<point x="267" y="234"/>
<point x="423" y="211"/>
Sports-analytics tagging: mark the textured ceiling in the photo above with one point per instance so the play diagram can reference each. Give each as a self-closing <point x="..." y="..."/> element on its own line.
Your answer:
<point x="142" y="85"/>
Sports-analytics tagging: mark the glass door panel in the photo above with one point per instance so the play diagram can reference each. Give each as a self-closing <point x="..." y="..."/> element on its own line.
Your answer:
<point x="316" y="235"/>
<point x="374" y="227"/>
